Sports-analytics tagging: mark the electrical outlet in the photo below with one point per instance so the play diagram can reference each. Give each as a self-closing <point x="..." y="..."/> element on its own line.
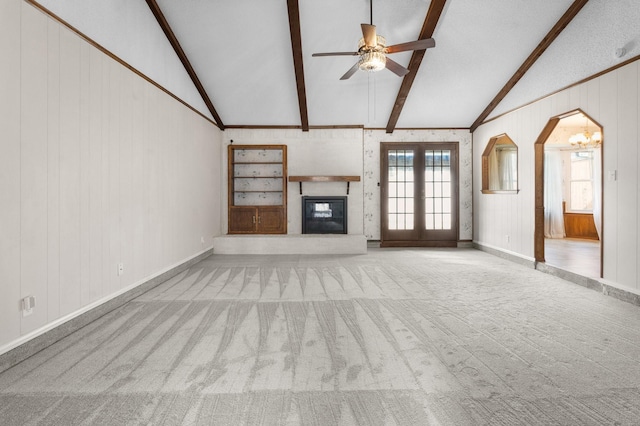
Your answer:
<point x="120" y="268"/>
<point x="508" y="238"/>
<point x="202" y="240"/>
<point x="27" y="304"/>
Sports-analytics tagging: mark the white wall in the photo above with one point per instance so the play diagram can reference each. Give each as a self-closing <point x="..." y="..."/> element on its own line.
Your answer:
<point x="325" y="152"/>
<point x="97" y="167"/>
<point x="611" y="100"/>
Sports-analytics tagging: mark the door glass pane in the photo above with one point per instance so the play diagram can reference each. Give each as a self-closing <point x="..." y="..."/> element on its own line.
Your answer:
<point x="393" y="205"/>
<point x="438" y="205"/>
<point x="438" y="221"/>
<point x="429" y="221"/>
<point x="392" y="189"/>
<point x="407" y="189"/>
<point x="446" y="205"/>
<point x="437" y="189"/>
<point x="401" y="221"/>
<point x="446" y="189"/>
<point x="428" y="191"/>
<point x="428" y="206"/>
<point x="408" y="204"/>
<point x="401" y="203"/>
<point x="446" y="221"/>
<point x="393" y="221"/>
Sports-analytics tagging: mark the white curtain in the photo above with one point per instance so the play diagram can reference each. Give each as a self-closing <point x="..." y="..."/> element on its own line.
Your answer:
<point x="508" y="160"/>
<point x="597" y="190"/>
<point x="553" y="217"/>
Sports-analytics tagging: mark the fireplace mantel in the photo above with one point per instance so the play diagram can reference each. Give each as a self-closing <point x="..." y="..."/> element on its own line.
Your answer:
<point x="347" y="179"/>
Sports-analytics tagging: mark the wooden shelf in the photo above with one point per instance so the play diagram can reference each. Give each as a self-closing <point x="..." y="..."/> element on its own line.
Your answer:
<point x="241" y="191"/>
<point x="257" y="162"/>
<point x="324" y="178"/>
<point x="347" y="179"/>
<point x="257" y="177"/>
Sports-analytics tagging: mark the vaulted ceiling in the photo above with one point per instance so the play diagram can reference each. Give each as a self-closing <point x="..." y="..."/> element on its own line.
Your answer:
<point x="250" y="62"/>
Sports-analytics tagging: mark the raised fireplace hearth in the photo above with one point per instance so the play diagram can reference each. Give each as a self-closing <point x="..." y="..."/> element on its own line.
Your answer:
<point x="324" y="215"/>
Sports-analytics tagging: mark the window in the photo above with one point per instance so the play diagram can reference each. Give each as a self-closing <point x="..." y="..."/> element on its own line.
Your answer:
<point x="581" y="187"/>
<point x="500" y="166"/>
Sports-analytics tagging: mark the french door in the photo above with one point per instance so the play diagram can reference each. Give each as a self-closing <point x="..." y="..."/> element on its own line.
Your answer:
<point x="419" y="194"/>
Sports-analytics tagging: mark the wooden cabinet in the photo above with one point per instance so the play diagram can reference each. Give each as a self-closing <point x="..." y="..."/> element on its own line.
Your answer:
<point x="257" y="189"/>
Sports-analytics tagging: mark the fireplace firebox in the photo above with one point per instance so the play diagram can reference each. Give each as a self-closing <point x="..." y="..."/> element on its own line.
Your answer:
<point x="324" y="215"/>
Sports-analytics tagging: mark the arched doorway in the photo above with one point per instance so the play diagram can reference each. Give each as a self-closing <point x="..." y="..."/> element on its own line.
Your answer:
<point x="579" y="137"/>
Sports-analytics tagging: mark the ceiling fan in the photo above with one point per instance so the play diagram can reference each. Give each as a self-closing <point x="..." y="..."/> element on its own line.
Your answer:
<point x="373" y="51"/>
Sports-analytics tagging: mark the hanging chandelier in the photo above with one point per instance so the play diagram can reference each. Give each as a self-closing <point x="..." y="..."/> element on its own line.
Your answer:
<point x="586" y="139"/>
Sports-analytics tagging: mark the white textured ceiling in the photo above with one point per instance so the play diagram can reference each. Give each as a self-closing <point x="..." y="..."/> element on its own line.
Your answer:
<point x="587" y="46"/>
<point x="241" y="52"/>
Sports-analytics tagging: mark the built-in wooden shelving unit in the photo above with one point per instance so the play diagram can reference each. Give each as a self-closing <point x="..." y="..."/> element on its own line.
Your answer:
<point x="257" y="189"/>
<point x="347" y="179"/>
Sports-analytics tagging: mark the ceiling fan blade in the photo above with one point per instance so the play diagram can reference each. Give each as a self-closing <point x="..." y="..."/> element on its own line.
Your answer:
<point x="351" y="71"/>
<point x="396" y="68"/>
<point x="336" y="54"/>
<point x="369" y="35"/>
<point x="412" y="45"/>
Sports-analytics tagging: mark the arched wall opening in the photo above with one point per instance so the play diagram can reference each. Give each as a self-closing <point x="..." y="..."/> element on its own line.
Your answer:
<point x="576" y="132"/>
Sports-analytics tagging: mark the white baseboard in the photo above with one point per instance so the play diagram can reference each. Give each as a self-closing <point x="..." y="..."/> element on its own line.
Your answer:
<point x="27" y="345"/>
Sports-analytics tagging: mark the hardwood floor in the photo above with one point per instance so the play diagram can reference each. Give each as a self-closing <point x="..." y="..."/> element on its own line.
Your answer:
<point x="575" y="255"/>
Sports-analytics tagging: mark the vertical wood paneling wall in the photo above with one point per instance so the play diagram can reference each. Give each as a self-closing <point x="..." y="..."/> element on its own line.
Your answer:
<point x="97" y="167"/>
<point x="613" y="101"/>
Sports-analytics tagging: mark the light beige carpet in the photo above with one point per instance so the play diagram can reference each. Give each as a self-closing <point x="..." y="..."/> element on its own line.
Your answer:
<point x="393" y="337"/>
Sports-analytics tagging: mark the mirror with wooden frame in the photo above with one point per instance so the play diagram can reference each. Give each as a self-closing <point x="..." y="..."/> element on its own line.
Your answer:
<point x="500" y="166"/>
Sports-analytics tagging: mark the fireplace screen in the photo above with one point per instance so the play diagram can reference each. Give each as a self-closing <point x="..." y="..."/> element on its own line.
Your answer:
<point x="324" y="215"/>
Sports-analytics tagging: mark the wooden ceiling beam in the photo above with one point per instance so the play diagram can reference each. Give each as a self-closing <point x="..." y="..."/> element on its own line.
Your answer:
<point x="568" y="16"/>
<point x="162" y="21"/>
<point x="433" y="16"/>
<point x="296" y="48"/>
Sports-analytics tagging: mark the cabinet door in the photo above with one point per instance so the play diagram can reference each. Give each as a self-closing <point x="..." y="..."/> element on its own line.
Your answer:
<point x="242" y="220"/>
<point x="271" y="220"/>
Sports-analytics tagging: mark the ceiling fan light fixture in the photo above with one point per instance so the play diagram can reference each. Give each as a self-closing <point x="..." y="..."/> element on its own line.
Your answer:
<point x="372" y="58"/>
<point x="373" y="51"/>
<point x="372" y="61"/>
